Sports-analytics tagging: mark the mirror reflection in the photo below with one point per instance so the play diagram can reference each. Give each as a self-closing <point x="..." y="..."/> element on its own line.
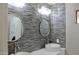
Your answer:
<point x="16" y="27"/>
<point x="44" y="28"/>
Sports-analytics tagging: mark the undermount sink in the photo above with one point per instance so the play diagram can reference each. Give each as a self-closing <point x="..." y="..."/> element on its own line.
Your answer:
<point x="52" y="47"/>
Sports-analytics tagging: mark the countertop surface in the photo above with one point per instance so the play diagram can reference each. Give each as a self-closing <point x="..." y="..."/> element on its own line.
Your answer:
<point x="43" y="52"/>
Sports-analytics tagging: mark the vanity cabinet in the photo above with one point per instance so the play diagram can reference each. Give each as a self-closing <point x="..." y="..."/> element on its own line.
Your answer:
<point x="11" y="48"/>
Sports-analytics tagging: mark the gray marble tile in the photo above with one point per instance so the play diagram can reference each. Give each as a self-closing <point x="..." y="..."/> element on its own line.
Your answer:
<point x="31" y="39"/>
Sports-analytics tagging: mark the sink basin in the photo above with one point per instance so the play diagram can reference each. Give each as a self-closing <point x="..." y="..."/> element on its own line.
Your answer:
<point x="52" y="47"/>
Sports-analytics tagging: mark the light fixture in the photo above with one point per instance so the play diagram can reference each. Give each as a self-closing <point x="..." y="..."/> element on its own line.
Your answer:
<point x="19" y="5"/>
<point x="44" y="11"/>
<point x="77" y="16"/>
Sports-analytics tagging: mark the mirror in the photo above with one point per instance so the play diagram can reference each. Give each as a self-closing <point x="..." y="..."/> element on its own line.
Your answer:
<point x="44" y="28"/>
<point x="15" y="27"/>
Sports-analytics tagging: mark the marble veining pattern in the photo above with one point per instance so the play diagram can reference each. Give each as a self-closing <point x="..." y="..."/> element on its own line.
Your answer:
<point x="31" y="39"/>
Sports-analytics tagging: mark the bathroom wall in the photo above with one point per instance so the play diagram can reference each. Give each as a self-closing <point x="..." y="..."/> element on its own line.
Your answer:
<point x="72" y="29"/>
<point x="58" y="24"/>
<point x="31" y="39"/>
<point x="15" y="27"/>
<point x="3" y="29"/>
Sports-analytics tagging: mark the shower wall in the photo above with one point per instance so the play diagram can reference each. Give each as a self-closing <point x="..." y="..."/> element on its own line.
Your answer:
<point x="31" y="39"/>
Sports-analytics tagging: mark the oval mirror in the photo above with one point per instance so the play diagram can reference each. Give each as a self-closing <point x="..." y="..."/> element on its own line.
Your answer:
<point x="15" y="27"/>
<point x="44" y="28"/>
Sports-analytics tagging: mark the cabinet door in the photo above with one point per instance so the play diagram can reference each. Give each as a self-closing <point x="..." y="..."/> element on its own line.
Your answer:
<point x="11" y="48"/>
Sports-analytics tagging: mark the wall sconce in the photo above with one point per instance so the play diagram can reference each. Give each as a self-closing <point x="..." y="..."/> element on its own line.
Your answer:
<point x="77" y="16"/>
<point x="44" y="11"/>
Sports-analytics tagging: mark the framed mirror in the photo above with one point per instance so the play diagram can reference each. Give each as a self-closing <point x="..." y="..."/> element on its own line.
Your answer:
<point x="44" y="28"/>
<point x="15" y="27"/>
